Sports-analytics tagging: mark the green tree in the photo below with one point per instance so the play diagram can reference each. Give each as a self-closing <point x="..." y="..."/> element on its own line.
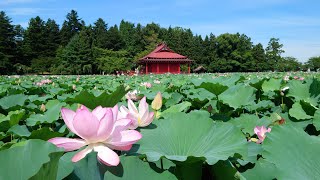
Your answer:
<point x="7" y="45"/>
<point x="76" y="57"/>
<point x="289" y="64"/>
<point x="233" y="53"/>
<point x="35" y="40"/>
<point x="273" y="53"/>
<point x="127" y="31"/>
<point x="114" y="40"/>
<point x="110" y="61"/>
<point x="52" y="34"/>
<point x="259" y="58"/>
<point x="314" y="63"/>
<point x="71" y="26"/>
<point x="19" y="46"/>
<point x="100" y="33"/>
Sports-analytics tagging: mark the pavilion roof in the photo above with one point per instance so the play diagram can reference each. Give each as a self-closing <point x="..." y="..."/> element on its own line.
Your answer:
<point x="163" y="53"/>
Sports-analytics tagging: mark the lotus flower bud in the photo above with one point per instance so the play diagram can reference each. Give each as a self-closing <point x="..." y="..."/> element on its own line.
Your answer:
<point x="43" y="108"/>
<point x="74" y="87"/>
<point x="157" y="102"/>
<point x="127" y="88"/>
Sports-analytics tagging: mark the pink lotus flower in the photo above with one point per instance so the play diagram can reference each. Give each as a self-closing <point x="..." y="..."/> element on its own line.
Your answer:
<point x="301" y="78"/>
<point x="286" y="78"/>
<point x="44" y="81"/>
<point x="141" y="118"/>
<point x="261" y="133"/>
<point x="133" y="95"/>
<point x="99" y="130"/>
<point x="147" y="84"/>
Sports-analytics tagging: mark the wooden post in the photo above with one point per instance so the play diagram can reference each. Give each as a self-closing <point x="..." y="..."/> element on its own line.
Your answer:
<point x="168" y="68"/>
<point x="178" y="68"/>
<point x="146" y="68"/>
<point x="188" y="68"/>
<point x="157" y="68"/>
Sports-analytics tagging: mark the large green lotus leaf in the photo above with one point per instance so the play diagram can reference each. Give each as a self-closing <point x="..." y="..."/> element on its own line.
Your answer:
<point x="228" y="81"/>
<point x="39" y="100"/>
<point x="12" y="101"/>
<point x="56" y="91"/>
<point x="290" y="120"/>
<point x="189" y="170"/>
<point x="49" y="170"/>
<point x="315" y="87"/>
<point x="44" y="133"/>
<point x="198" y="81"/>
<point x="297" y="112"/>
<point x="316" y="119"/>
<point x="256" y="83"/>
<point x="2" y="135"/>
<point x="199" y="94"/>
<point x="300" y="91"/>
<point x="26" y="159"/>
<point x="214" y="88"/>
<point x="11" y="119"/>
<point x="263" y="170"/>
<point x="105" y="99"/>
<point x="131" y="167"/>
<point x="180" y="135"/>
<point x="271" y="85"/>
<point x="247" y="122"/>
<point x="174" y="99"/>
<point x="66" y="166"/>
<point x="152" y="94"/>
<point x="261" y="105"/>
<point x="52" y="114"/>
<point x="294" y="152"/>
<point x="238" y="96"/>
<point x="182" y="107"/>
<point x="88" y="168"/>
<point x="225" y="170"/>
<point x="254" y="150"/>
<point x="164" y="163"/>
<point x="20" y="130"/>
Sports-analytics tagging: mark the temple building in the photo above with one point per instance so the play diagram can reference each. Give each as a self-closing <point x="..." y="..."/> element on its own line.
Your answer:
<point x="164" y="60"/>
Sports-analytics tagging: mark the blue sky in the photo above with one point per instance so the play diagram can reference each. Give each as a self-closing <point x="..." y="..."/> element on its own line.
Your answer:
<point x="295" y="22"/>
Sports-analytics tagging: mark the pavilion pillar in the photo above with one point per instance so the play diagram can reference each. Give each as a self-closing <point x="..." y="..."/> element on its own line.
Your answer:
<point x="188" y="68"/>
<point x="146" y="68"/>
<point x="178" y="68"/>
<point x="157" y="68"/>
<point x="168" y="67"/>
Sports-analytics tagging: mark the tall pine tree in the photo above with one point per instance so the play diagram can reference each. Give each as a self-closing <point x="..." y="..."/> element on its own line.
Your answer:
<point x="7" y="45"/>
<point x="273" y="52"/>
<point x="100" y="34"/>
<point x="70" y="27"/>
<point x="53" y="37"/>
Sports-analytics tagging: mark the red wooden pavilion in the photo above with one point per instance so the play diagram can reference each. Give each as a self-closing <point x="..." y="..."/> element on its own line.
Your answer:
<point x="163" y="60"/>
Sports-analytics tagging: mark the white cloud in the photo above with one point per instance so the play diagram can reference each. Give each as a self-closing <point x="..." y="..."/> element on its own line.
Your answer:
<point x="23" y="24"/>
<point x="296" y="33"/>
<point x="252" y="4"/>
<point x="7" y="2"/>
<point x="302" y="50"/>
<point x="23" y="11"/>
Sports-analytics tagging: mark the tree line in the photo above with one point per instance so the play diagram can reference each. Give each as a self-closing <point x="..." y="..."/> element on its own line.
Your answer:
<point x="77" y="48"/>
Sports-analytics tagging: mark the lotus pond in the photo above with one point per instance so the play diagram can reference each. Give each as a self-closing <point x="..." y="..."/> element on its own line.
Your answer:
<point x="206" y="126"/>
